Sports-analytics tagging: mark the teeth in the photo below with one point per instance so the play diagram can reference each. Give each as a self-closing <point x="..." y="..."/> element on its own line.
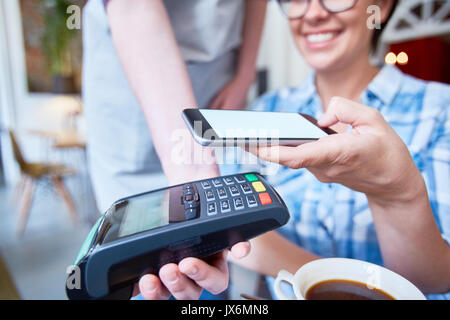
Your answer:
<point x="319" y="37"/>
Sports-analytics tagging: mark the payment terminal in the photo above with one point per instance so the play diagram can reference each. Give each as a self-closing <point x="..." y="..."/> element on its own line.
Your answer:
<point x="141" y="233"/>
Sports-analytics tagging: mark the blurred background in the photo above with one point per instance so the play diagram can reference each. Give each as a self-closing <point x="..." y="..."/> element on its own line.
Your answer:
<point x="46" y="201"/>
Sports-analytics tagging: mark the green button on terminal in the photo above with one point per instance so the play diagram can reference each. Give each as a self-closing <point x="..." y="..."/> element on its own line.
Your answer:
<point x="251" y="177"/>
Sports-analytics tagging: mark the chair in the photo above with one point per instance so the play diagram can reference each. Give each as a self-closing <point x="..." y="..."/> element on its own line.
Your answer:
<point x="8" y="290"/>
<point x="31" y="173"/>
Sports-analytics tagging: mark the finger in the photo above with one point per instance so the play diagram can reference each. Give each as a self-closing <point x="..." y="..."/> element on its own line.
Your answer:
<point x="349" y="112"/>
<point x="283" y="155"/>
<point x="152" y="289"/>
<point x="178" y="284"/>
<point x="241" y="249"/>
<point x="217" y="102"/>
<point x="212" y="276"/>
<point x="313" y="154"/>
<point x="214" y="104"/>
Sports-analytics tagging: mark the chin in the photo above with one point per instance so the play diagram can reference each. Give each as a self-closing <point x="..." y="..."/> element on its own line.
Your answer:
<point x="317" y="59"/>
<point x="320" y="63"/>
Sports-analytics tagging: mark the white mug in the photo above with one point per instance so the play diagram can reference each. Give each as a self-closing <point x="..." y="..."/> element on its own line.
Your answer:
<point x="372" y="275"/>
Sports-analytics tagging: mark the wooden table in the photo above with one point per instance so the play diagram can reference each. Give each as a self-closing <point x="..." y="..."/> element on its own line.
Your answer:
<point x="61" y="139"/>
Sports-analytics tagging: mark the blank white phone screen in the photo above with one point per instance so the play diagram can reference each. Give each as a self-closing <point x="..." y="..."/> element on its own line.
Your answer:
<point x="256" y="124"/>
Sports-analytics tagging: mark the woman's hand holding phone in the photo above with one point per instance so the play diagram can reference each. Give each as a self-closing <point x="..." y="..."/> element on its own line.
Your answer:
<point x="371" y="158"/>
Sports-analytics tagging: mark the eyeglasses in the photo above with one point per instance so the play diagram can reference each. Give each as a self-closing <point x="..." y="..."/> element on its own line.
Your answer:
<point x="296" y="9"/>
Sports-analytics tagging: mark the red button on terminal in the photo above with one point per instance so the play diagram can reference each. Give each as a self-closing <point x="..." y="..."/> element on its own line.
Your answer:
<point x="264" y="198"/>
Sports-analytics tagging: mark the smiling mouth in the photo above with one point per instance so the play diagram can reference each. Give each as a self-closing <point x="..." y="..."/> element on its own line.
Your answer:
<point x="321" y="36"/>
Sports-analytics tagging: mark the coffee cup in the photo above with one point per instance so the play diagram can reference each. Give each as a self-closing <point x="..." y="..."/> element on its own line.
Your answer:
<point x="320" y="279"/>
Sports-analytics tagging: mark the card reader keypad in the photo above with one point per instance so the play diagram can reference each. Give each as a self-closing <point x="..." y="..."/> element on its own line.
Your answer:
<point x="212" y="208"/>
<point x="251" y="201"/>
<point x="225" y="206"/>
<point x="222" y="193"/>
<point x="190" y="201"/>
<point x="210" y="195"/>
<point x="234" y="190"/>
<point x="234" y="193"/>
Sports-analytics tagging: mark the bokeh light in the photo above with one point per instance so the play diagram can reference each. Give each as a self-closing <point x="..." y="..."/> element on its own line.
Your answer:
<point x="402" y="58"/>
<point x="390" y="58"/>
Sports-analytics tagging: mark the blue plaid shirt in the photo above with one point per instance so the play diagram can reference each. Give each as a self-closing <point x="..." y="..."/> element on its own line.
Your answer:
<point x="332" y="220"/>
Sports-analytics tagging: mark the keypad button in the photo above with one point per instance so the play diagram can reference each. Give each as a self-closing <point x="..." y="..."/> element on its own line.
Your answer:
<point x="234" y="190"/>
<point x="210" y="195"/>
<point x="190" y="213"/>
<point x="264" y="198"/>
<point x="222" y="193"/>
<point x="189" y="197"/>
<point x="239" y="178"/>
<point x="228" y="180"/>
<point x="258" y="186"/>
<point x="217" y="182"/>
<point x="246" y="188"/>
<point x="225" y="206"/>
<point x="251" y="177"/>
<point x="190" y="204"/>
<point x="212" y="208"/>
<point x="238" y="203"/>
<point x="251" y="201"/>
<point x="206" y="185"/>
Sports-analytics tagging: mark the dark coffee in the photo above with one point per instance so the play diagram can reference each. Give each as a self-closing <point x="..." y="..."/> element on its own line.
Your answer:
<point x="344" y="290"/>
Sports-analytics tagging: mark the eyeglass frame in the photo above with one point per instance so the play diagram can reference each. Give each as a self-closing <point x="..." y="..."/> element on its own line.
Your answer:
<point x="309" y="4"/>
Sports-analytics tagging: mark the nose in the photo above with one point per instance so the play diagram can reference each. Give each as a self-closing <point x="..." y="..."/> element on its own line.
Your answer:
<point x="315" y="12"/>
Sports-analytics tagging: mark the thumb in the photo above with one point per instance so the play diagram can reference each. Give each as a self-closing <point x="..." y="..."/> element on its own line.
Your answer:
<point x="349" y="112"/>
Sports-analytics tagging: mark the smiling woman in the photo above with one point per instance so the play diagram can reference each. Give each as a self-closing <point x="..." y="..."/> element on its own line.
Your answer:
<point x="331" y="37"/>
<point x="296" y="9"/>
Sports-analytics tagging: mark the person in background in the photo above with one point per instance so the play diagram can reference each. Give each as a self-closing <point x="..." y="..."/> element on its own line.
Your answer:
<point x="377" y="191"/>
<point x="144" y="62"/>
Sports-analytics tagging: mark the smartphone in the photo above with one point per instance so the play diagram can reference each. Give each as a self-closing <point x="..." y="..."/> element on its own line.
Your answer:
<point x="228" y="128"/>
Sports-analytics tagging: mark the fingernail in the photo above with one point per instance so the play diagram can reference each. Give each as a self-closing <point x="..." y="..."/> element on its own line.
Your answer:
<point x="321" y="119"/>
<point x="149" y="286"/>
<point x="172" y="278"/>
<point x="192" y="271"/>
<point x="239" y="253"/>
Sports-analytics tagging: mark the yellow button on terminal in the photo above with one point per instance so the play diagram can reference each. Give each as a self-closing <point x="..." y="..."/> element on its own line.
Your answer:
<point x="258" y="186"/>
